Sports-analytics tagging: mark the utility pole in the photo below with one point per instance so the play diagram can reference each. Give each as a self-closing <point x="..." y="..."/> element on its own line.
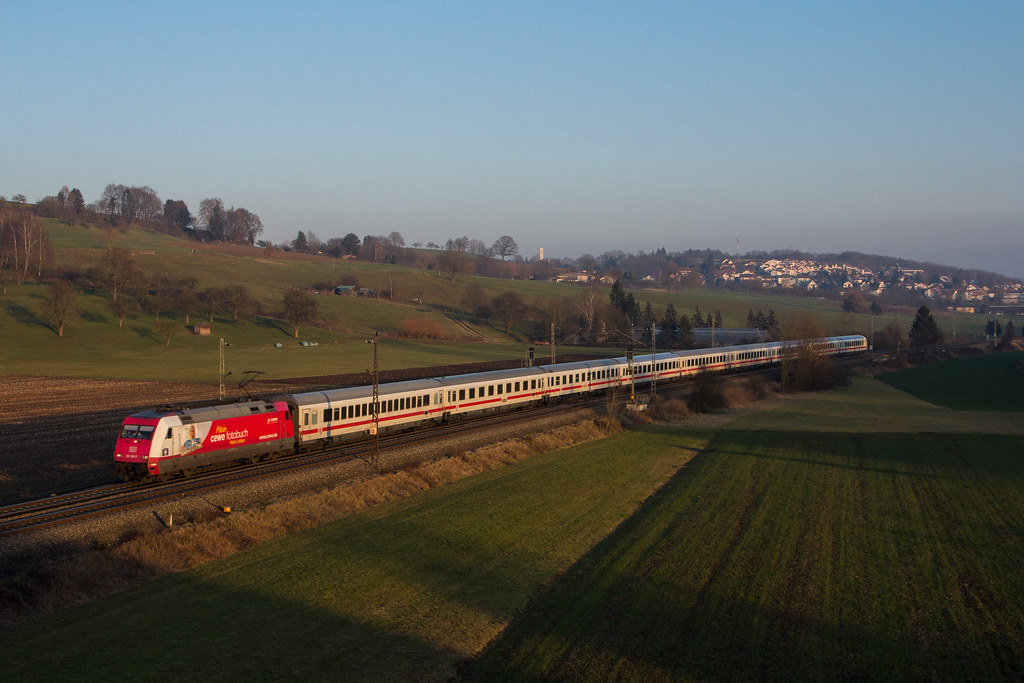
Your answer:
<point x="654" y="365"/>
<point x="220" y="373"/>
<point x="632" y="376"/>
<point x="374" y="428"/>
<point x="552" y="343"/>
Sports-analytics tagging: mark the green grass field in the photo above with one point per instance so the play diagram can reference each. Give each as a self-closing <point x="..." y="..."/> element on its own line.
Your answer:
<point x="991" y="382"/>
<point x="94" y="346"/>
<point x="406" y="591"/>
<point x="857" y="534"/>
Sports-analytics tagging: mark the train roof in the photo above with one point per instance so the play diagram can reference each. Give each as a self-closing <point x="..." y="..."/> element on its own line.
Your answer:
<point x="364" y="391"/>
<point x="223" y="411"/>
<point x="578" y="365"/>
<point x="490" y="376"/>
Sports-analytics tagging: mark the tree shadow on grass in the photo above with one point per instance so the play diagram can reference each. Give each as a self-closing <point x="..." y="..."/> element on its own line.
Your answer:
<point x="25" y="316"/>
<point x="93" y="317"/>
<point x="269" y="324"/>
<point x="142" y="332"/>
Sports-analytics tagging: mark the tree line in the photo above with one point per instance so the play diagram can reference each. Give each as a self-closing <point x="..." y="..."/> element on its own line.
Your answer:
<point x="132" y="292"/>
<point x="123" y="205"/>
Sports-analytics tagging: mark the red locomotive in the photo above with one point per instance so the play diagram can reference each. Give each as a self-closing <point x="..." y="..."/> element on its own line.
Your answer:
<point x="161" y="442"/>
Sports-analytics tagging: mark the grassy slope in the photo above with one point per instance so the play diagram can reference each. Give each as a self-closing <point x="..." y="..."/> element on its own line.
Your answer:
<point x="834" y="536"/>
<point x="94" y="345"/>
<point x="837" y="551"/>
<point x="406" y="591"/>
<point x="991" y="382"/>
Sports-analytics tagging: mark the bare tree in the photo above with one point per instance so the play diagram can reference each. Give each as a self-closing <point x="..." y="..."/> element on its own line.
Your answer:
<point x="237" y="299"/>
<point x="123" y="307"/>
<point x="313" y="243"/>
<point x="453" y="259"/>
<point x="212" y="217"/>
<point x="299" y="309"/>
<point x="242" y="225"/>
<point x="62" y="304"/>
<point x="509" y="307"/>
<point x="587" y="302"/>
<point x="23" y="241"/>
<point x="505" y="247"/>
<point x="114" y="270"/>
<point x="478" y="248"/>
<point x="372" y="248"/>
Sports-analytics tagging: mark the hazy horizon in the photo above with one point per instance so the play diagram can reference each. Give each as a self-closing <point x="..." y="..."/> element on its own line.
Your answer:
<point x="576" y="127"/>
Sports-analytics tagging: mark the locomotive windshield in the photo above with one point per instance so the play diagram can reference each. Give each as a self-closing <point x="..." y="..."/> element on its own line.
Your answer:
<point x="144" y="432"/>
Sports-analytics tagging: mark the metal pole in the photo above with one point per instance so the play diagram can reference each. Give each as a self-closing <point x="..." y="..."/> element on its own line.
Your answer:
<point x="374" y="427"/>
<point x="220" y="374"/>
<point x="552" y="343"/>
<point x="654" y="366"/>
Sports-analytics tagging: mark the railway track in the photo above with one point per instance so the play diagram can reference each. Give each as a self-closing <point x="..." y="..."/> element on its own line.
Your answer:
<point x="73" y="506"/>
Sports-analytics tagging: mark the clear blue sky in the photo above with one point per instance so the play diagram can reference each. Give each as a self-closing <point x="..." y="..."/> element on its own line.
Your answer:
<point x="885" y="127"/>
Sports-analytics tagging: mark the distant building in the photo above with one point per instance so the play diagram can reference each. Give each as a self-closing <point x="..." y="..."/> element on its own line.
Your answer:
<point x="202" y="329"/>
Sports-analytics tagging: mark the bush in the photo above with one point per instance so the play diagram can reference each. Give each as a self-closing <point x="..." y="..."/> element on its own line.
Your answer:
<point x="422" y="328"/>
<point x="708" y="395"/>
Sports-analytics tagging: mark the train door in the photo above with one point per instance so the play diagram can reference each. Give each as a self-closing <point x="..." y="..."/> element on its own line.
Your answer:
<point x="172" y="440"/>
<point x="309" y="422"/>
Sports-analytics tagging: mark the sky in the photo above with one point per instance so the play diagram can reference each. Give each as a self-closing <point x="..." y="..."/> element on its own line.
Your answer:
<point x="892" y="128"/>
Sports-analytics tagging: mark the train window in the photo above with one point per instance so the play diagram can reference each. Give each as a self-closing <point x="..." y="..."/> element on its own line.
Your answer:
<point x="305" y="419"/>
<point x="314" y="418"/>
<point x="337" y="413"/>
<point x="462" y="394"/>
<point x="490" y="390"/>
<point x="472" y="392"/>
<point x="500" y="387"/>
<point x="517" y="386"/>
<point x="327" y="414"/>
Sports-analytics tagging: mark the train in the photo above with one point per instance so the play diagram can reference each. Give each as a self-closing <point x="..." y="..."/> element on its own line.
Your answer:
<point x="172" y="441"/>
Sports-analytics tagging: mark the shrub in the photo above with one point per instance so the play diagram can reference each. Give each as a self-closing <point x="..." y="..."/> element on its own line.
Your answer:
<point x="422" y="328"/>
<point x="707" y="394"/>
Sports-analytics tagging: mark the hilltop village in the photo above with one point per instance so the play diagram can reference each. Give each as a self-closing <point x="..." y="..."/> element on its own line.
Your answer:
<point x="964" y="292"/>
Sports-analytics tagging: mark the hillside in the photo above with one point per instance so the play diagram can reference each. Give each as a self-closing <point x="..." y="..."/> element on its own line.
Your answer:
<point x="861" y="533"/>
<point x="425" y="318"/>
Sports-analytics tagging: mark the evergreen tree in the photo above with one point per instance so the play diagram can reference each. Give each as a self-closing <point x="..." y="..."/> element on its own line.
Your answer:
<point x="617" y="295"/>
<point x="301" y="244"/>
<point x="684" y="336"/>
<point x="1007" y="339"/>
<point x="924" y="331"/>
<point x="669" y="325"/>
